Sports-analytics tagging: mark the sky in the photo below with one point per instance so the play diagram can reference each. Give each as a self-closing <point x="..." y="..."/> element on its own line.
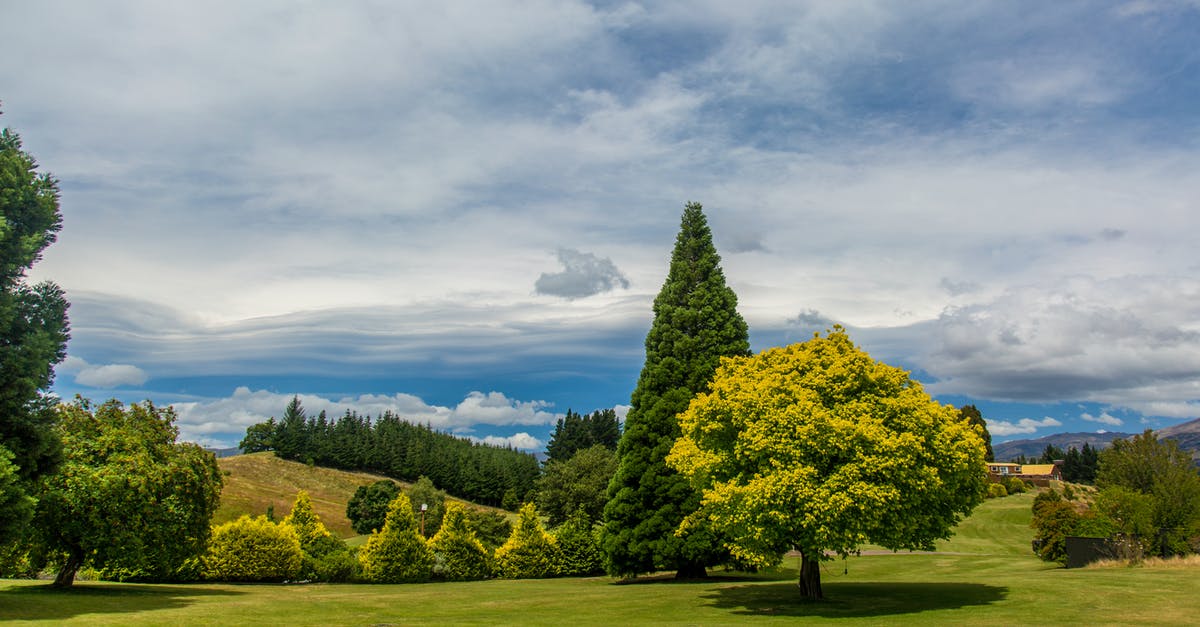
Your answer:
<point x="462" y="211"/>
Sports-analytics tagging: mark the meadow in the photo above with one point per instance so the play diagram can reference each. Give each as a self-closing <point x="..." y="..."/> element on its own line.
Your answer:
<point x="985" y="575"/>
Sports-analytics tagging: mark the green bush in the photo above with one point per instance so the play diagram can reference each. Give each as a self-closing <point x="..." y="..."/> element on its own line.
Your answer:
<point x="253" y="549"/>
<point x="458" y="553"/>
<point x="368" y="507"/>
<point x="1015" y="485"/>
<point x="337" y="567"/>
<point x="491" y="527"/>
<point x="579" y="547"/>
<point x="1053" y="520"/>
<point x="530" y="552"/>
<point x="996" y="490"/>
<point x="397" y="553"/>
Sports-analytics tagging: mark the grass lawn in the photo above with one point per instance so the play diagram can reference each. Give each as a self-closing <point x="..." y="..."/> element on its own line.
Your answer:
<point x="985" y="576"/>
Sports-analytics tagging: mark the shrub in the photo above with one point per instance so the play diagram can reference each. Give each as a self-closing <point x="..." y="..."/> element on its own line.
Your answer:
<point x="253" y="549"/>
<point x="315" y="540"/>
<point x="491" y="527"/>
<point x="996" y="490"/>
<point x="1053" y="520"/>
<point x="1015" y="485"/>
<point x="368" y="507"/>
<point x="579" y="548"/>
<point x="530" y="552"/>
<point x="337" y="567"/>
<point x="458" y="553"/>
<point x="397" y="553"/>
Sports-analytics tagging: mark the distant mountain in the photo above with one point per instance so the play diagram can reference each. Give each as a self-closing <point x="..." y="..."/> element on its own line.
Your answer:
<point x="224" y="452"/>
<point x="1006" y="451"/>
<point x="1187" y="434"/>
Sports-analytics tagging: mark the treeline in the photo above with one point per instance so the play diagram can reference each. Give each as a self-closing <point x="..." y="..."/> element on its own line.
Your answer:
<point x="390" y="446"/>
<point x="1078" y="465"/>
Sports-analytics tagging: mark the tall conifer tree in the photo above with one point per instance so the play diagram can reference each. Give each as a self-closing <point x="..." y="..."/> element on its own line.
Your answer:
<point x="695" y="324"/>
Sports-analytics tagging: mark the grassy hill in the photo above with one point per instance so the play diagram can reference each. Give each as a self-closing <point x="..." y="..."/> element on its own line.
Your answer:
<point x="257" y="481"/>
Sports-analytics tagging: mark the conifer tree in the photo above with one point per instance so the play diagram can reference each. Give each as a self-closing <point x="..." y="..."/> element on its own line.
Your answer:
<point x="458" y="553"/>
<point x="530" y="552"/>
<point x="397" y="553"/>
<point x="695" y="324"/>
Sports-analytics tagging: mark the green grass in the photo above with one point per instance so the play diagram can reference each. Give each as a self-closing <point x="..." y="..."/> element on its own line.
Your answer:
<point x="983" y="576"/>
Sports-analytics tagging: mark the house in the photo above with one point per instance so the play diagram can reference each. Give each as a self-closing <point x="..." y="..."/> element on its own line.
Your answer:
<point x="1030" y="472"/>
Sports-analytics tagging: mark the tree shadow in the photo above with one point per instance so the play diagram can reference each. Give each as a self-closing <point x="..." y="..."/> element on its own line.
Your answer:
<point x="43" y="602"/>
<point x="854" y="600"/>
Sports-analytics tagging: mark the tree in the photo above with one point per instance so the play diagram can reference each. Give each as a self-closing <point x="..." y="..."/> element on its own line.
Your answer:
<point x="368" y="507"/>
<point x="259" y="437"/>
<point x="696" y="323"/>
<point x="397" y="553"/>
<point x="1054" y="518"/>
<point x="530" y="552"/>
<point x="819" y="448"/>
<point x="579" y="547"/>
<point x="33" y="331"/>
<point x="1160" y="470"/>
<point x="423" y="492"/>
<point x="574" y="433"/>
<point x="1051" y="454"/>
<point x="128" y="500"/>
<point x="580" y="482"/>
<point x="971" y="414"/>
<point x="458" y="553"/>
<point x="253" y="549"/>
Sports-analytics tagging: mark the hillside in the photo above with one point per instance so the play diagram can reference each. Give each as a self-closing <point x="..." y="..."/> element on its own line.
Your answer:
<point x="256" y="481"/>
<point x="1187" y="434"/>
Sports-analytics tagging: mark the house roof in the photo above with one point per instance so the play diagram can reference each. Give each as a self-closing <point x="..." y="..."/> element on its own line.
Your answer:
<point x="1037" y="469"/>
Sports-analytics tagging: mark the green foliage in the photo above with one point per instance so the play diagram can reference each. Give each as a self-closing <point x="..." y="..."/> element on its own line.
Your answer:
<point x="530" y="552"/>
<point x="1054" y="518"/>
<point x="1051" y="454"/>
<point x="33" y="333"/>
<point x="397" y="553"/>
<point x="128" y="500"/>
<point x="424" y="492"/>
<point x="368" y="507"/>
<point x="820" y="448"/>
<point x="996" y="490"/>
<point x="1164" y="473"/>
<point x="579" y="547"/>
<point x="1015" y="485"/>
<point x="1081" y="466"/>
<point x="974" y="417"/>
<point x="339" y="566"/>
<point x="394" y="447"/>
<point x="317" y="544"/>
<point x="492" y="528"/>
<point x="696" y="323"/>
<point x="458" y="553"/>
<point x="580" y="482"/>
<point x="574" y="433"/>
<point x="253" y="549"/>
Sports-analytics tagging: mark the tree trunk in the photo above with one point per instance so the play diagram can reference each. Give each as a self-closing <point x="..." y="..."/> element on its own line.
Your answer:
<point x="691" y="570"/>
<point x="810" y="577"/>
<point x="66" y="574"/>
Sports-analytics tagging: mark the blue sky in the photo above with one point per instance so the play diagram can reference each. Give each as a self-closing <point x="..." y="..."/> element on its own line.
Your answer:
<point x="462" y="211"/>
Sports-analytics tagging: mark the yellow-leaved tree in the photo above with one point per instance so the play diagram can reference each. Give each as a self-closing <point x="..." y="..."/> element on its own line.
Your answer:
<point x="817" y="447"/>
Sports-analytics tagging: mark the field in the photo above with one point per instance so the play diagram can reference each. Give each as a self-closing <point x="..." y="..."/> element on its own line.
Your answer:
<point x="983" y="576"/>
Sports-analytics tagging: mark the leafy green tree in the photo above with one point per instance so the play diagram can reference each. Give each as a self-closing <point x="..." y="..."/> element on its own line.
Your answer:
<point x="819" y="448"/>
<point x="316" y="542"/>
<point x="33" y="332"/>
<point x="368" y="507"/>
<point x="253" y="549"/>
<point x="458" y="553"/>
<point x="397" y="553"/>
<point x="259" y="437"/>
<point x="423" y="492"/>
<point x="128" y="500"/>
<point x="1160" y="470"/>
<point x="580" y="482"/>
<point x="530" y="552"/>
<point x="972" y="415"/>
<point x="492" y="528"/>
<point x="579" y="547"/>
<point x="696" y="323"/>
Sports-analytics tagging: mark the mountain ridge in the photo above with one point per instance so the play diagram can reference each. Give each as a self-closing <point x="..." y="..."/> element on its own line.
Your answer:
<point x="1186" y="434"/>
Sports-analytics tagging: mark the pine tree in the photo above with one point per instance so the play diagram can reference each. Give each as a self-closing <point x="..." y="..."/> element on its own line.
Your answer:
<point x="459" y="555"/>
<point x="695" y="324"/>
<point x="397" y="553"/>
<point x="972" y="414"/>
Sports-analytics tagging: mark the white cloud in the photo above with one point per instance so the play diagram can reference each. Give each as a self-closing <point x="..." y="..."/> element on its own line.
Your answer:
<point x="522" y="441"/>
<point x="102" y="376"/>
<point x="224" y="421"/>
<point x="1022" y="426"/>
<point x="1104" y="418"/>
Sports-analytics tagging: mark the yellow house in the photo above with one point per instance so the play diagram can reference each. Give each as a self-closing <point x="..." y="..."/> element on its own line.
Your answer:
<point x="1000" y="470"/>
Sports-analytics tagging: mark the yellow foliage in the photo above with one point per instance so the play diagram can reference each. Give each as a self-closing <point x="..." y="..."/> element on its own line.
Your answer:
<point x="818" y="447"/>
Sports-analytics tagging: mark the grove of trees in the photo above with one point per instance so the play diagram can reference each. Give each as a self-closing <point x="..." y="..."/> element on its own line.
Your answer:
<point x="696" y="323"/>
<point x="394" y="447"/>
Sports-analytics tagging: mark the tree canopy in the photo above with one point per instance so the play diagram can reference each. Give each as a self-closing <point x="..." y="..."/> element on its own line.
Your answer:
<point x="696" y="323"/>
<point x="1160" y="470"/>
<point x="33" y="331"/>
<point x="971" y="414"/>
<point x="574" y="433"/>
<point x="819" y="448"/>
<point x="579" y="483"/>
<point x="128" y="500"/>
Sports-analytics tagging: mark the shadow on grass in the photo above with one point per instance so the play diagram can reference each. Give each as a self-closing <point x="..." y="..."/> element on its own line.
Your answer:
<point x="854" y="600"/>
<point x="43" y="602"/>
